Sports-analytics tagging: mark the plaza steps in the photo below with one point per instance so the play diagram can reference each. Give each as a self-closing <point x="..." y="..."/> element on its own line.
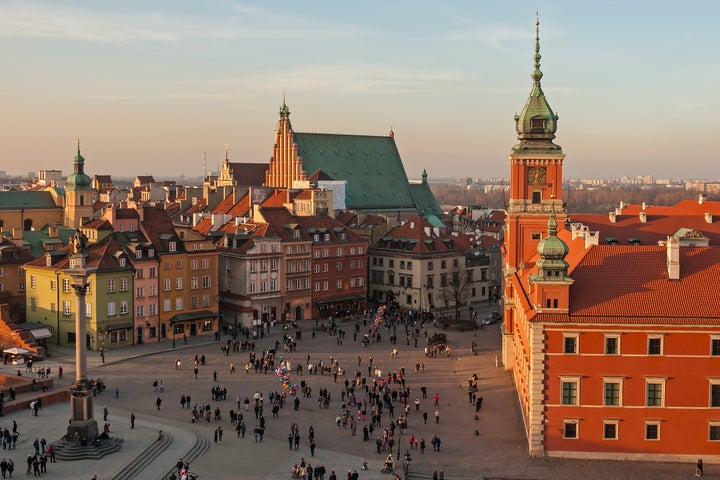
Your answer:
<point x="201" y="446"/>
<point x="68" y="451"/>
<point x="139" y="463"/>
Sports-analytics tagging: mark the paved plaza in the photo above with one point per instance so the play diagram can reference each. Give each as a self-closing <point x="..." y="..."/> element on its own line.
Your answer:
<point x="491" y="446"/>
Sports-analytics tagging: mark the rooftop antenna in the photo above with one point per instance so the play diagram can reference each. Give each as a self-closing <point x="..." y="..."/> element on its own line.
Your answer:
<point x="205" y="164"/>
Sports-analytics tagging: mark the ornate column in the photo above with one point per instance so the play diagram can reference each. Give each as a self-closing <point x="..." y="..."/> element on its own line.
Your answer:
<point x="82" y="424"/>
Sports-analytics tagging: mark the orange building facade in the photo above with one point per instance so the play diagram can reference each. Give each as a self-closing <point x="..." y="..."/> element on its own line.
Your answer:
<point x="614" y="345"/>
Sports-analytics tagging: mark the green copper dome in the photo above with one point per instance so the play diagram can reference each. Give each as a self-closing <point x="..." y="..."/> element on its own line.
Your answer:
<point x="552" y="250"/>
<point x="78" y="180"/>
<point x="537" y="123"/>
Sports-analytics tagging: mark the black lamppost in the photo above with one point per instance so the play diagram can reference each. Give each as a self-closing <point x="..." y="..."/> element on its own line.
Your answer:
<point x="172" y="325"/>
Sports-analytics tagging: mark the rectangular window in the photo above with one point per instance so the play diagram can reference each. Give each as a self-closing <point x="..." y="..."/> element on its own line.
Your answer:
<point x="325" y="267"/>
<point x="612" y="393"/>
<point x="288" y="285"/>
<point x="359" y="264"/>
<point x="316" y="286"/>
<point x="654" y="397"/>
<point x="612" y="345"/>
<point x="316" y="268"/>
<point x="33" y="303"/>
<point x="53" y="306"/>
<point x="194" y="302"/>
<point x="338" y="266"/>
<point x="111" y="308"/>
<point x="298" y="284"/>
<point x="167" y="305"/>
<point x="205" y="301"/>
<point x="570" y="429"/>
<point x="652" y="430"/>
<point x="205" y="263"/>
<point x="714" y="432"/>
<point x="715" y="347"/>
<point x="325" y="285"/>
<point x="178" y="264"/>
<point x="402" y="264"/>
<point x="123" y="285"/>
<point x="252" y="287"/>
<point x="167" y="285"/>
<point x="193" y="264"/>
<point x="152" y="309"/>
<point x="140" y="273"/>
<point x="111" y="285"/>
<point x="610" y="430"/>
<point x="206" y="282"/>
<point x="21" y="286"/>
<point x="153" y="272"/>
<point x="53" y="285"/>
<point x="263" y="287"/>
<point x="714" y="393"/>
<point x="123" y="307"/>
<point x="339" y="284"/>
<point x="33" y="281"/>
<point x="179" y="303"/>
<point x="352" y="282"/>
<point x="570" y="343"/>
<point x="360" y="281"/>
<point x="140" y="311"/>
<point x="338" y="252"/>
<point x="654" y="345"/>
<point x="273" y="264"/>
<point x="153" y="290"/>
<point x="88" y="310"/>
<point x="536" y="197"/>
<point x="194" y="283"/>
<point x="66" y="308"/>
<point x="179" y="283"/>
<point x="273" y="285"/>
<point x="166" y="265"/>
<point x="409" y="265"/>
<point x="66" y="285"/>
<point x="570" y="392"/>
<point x="360" y="250"/>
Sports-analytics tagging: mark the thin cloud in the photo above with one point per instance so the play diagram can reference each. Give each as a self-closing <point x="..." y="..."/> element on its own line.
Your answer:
<point x="28" y="19"/>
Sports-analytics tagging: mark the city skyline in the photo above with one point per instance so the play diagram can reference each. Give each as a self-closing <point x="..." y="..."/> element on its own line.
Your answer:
<point x="157" y="87"/>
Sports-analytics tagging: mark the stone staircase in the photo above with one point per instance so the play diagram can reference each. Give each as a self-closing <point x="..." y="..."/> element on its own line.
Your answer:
<point x="69" y="451"/>
<point x="202" y="445"/>
<point x="146" y="457"/>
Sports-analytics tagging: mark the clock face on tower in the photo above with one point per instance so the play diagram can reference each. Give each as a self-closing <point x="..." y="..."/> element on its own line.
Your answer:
<point x="537" y="176"/>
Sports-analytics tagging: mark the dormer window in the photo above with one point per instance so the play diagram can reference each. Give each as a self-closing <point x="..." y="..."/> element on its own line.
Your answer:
<point x="138" y="253"/>
<point x="121" y="261"/>
<point x="172" y="246"/>
<point x="537" y="125"/>
<point x="151" y="252"/>
<point x="296" y="233"/>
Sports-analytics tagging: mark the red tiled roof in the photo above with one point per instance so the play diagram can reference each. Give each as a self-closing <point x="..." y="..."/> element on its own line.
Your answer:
<point x="197" y="207"/>
<point x="421" y="236"/>
<point x="241" y="208"/>
<point x="661" y="222"/>
<point x="632" y="281"/>
<point x="126" y="213"/>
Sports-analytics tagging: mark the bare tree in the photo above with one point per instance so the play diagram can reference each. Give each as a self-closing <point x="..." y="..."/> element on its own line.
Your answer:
<point x="454" y="288"/>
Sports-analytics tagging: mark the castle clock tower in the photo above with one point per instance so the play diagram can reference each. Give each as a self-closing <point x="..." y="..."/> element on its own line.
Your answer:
<point x="535" y="175"/>
<point x="534" y="210"/>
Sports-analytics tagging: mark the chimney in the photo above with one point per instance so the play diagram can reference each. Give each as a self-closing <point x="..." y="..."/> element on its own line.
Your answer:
<point x="701" y="199"/>
<point x="622" y="204"/>
<point x="644" y="205"/>
<point x="412" y="225"/>
<point x="643" y="216"/>
<point x="708" y="217"/>
<point x="612" y="217"/>
<point x="673" y="257"/>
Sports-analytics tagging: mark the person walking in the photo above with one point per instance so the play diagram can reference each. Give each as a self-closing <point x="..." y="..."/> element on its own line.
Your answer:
<point x="436" y="397"/>
<point x="132" y="420"/>
<point x="437" y="415"/>
<point x="699" y="468"/>
<point x="158" y="402"/>
<point x="105" y="414"/>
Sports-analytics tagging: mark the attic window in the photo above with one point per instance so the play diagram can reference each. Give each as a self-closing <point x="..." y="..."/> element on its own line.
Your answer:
<point x="121" y="261"/>
<point x="537" y="124"/>
<point x="296" y="233"/>
<point x="172" y="246"/>
<point x="611" y="240"/>
<point x="634" y="241"/>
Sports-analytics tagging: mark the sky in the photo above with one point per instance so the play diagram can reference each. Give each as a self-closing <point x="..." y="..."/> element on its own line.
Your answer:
<point x="156" y="87"/>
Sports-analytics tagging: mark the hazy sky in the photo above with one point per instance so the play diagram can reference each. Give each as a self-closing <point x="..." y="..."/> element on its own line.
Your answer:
<point x="149" y="86"/>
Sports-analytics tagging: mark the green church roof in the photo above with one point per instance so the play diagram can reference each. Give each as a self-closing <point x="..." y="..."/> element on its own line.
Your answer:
<point x="371" y="165"/>
<point x="424" y="199"/>
<point x="16" y="200"/>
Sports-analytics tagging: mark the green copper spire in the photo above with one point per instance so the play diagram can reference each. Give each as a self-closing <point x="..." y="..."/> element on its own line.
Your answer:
<point x="537" y="123"/>
<point x="78" y="180"/>
<point x="537" y="74"/>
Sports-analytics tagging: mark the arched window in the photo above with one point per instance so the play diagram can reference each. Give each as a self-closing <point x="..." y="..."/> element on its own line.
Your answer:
<point x="82" y="200"/>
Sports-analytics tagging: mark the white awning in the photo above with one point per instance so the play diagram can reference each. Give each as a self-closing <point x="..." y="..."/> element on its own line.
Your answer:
<point x="40" y="333"/>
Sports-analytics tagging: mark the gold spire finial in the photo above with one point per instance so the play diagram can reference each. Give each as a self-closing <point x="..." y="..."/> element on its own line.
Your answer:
<point x="226" y="150"/>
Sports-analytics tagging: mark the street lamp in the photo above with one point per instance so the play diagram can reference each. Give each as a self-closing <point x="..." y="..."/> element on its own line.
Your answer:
<point x="172" y="325"/>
